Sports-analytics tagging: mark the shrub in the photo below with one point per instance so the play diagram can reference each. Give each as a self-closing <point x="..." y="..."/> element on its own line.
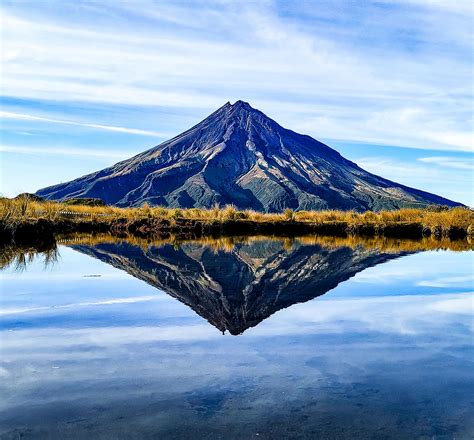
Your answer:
<point x="85" y="201"/>
<point x="241" y="215"/>
<point x="145" y="210"/>
<point x="228" y="213"/>
<point x="176" y="214"/>
<point x="369" y="216"/>
<point x="288" y="214"/>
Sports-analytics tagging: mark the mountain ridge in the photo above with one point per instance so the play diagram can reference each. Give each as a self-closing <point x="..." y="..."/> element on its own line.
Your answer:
<point x="238" y="155"/>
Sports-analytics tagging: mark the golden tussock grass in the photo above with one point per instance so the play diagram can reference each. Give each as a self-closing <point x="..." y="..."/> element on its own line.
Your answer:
<point x="24" y="209"/>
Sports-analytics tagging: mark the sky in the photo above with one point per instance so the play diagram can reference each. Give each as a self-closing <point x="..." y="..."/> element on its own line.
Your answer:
<point x="389" y="84"/>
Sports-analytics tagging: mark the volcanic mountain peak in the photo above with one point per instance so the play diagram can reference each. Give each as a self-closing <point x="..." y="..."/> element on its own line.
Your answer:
<point x="239" y="107"/>
<point x="231" y="117"/>
<point x="238" y="155"/>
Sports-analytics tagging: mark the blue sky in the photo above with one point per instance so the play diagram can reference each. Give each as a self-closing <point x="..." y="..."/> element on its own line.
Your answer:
<point x="387" y="83"/>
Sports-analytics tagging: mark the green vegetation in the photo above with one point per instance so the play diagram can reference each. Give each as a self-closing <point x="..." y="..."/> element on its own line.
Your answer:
<point x="86" y="201"/>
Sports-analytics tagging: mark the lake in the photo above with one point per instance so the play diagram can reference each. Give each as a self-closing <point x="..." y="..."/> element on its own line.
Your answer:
<point x="235" y="339"/>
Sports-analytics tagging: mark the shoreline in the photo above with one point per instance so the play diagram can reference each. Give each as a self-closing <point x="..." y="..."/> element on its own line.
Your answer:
<point x="44" y="230"/>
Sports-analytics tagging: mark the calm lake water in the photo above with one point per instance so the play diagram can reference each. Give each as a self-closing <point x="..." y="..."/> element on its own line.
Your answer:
<point x="263" y="339"/>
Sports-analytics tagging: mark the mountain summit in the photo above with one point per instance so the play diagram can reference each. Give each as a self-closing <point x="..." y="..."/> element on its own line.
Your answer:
<point x="239" y="156"/>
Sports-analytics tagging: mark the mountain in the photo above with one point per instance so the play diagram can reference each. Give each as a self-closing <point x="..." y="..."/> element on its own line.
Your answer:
<point x="235" y="290"/>
<point x="239" y="156"/>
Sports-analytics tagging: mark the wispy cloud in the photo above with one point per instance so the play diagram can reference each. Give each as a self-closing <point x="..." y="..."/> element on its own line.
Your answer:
<point x="416" y="315"/>
<point x="105" y="302"/>
<point x="26" y="117"/>
<point x="462" y="306"/>
<point x="432" y="174"/>
<point x="452" y="281"/>
<point x="458" y="6"/>
<point x="351" y="72"/>
<point x="379" y="72"/>
<point x="449" y="162"/>
<point x="65" y="151"/>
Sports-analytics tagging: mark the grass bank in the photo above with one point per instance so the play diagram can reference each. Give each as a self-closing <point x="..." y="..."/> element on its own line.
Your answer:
<point x="24" y="219"/>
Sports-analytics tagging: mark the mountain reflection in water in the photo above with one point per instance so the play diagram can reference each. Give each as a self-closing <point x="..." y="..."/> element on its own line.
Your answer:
<point x="237" y="287"/>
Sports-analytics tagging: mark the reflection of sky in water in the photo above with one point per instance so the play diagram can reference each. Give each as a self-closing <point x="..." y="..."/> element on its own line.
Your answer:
<point x="389" y="352"/>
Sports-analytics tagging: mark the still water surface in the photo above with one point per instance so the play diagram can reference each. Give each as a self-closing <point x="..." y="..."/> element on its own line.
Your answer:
<point x="260" y="339"/>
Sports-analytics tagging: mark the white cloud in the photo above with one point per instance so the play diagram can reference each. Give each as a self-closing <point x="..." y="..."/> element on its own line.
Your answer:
<point x="447" y="282"/>
<point x="406" y="171"/>
<point x="66" y="151"/>
<point x="25" y="117"/>
<point x="183" y="56"/>
<point x="106" y="302"/>
<point x="456" y="6"/>
<point x="415" y="315"/>
<point x="449" y="162"/>
<point x="107" y="336"/>
<point x="428" y="175"/>
<point x="462" y="306"/>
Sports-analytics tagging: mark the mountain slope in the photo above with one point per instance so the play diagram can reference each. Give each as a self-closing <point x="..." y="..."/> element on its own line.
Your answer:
<point x="239" y="156"/>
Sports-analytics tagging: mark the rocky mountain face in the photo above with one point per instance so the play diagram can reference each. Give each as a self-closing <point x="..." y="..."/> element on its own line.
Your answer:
<point x="239" y="156"/>
<point x="235" y="290"/>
